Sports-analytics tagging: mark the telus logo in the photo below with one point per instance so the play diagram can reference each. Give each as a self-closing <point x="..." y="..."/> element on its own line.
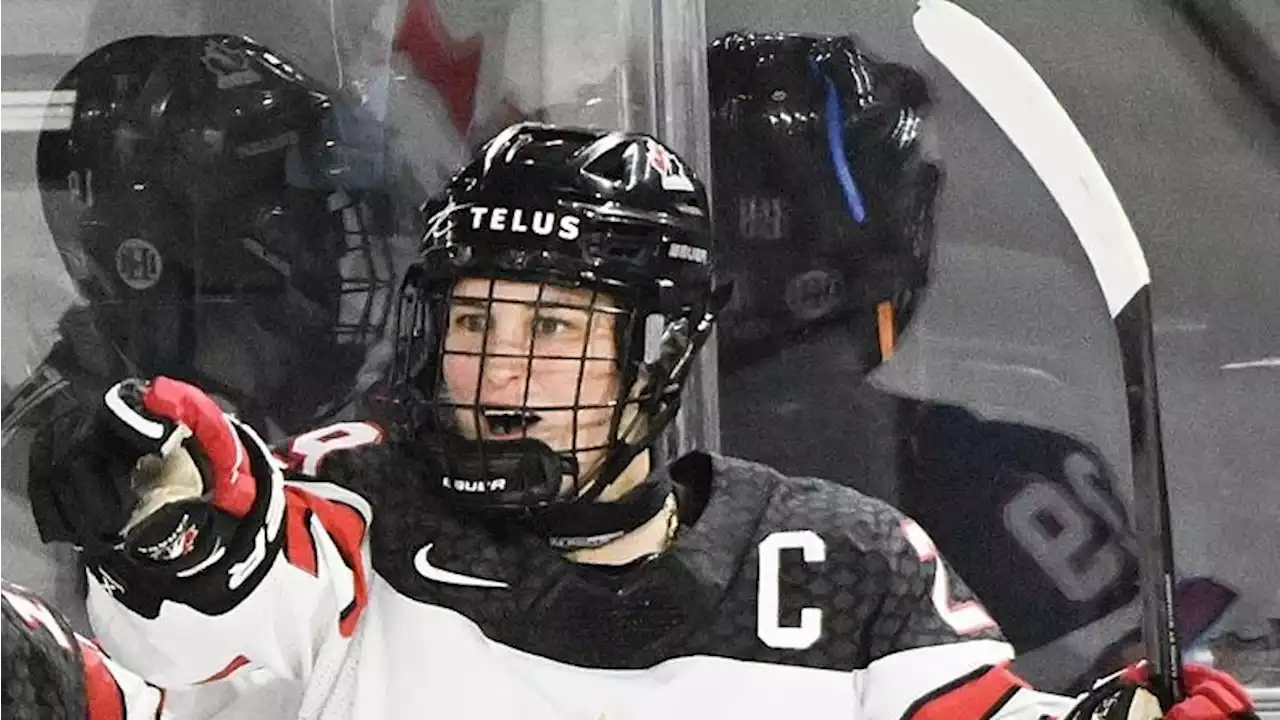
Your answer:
<point x="519" y="220"/>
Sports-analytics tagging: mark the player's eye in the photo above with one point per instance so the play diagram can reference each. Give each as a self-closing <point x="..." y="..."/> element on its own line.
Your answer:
<point x="548" y="326"/>
<point x="471" y="322"/>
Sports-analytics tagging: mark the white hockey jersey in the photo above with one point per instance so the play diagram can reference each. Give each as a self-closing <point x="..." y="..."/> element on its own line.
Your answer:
<point x="351" y="591"/>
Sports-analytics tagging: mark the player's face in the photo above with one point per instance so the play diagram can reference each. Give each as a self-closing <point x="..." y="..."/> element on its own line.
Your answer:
<point x="536" y="361"/>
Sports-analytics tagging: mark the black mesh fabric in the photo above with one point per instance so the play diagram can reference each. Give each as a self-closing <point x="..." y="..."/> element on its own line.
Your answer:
<point x="41" y="677"/>
<point x="700" y="598"/>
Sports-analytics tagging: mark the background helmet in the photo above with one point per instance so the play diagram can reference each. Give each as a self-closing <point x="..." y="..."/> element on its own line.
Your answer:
<point x="823" y="197"/>
<point x="220" y="214"/>
<point x="613" y="213"/>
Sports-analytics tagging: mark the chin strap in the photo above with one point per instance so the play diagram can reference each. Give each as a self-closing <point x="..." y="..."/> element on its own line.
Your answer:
<point x="592" y="523"/>
<point x="521" y="480"/>
<point x="509" y="476"/>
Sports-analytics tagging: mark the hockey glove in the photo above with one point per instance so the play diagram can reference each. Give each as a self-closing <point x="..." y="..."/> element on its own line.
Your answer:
<point x="140" y="473"/>
<point x="1210" y="695"/>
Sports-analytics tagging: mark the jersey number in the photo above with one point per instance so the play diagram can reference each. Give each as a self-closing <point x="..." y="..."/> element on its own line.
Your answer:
<point x="1059" y="531"/>
<point x="307" y="450"/>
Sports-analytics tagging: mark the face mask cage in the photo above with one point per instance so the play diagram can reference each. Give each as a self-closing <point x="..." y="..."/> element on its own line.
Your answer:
<point x="303" y="280"/>
<point x="324" y="286"/>
<point x="508" y="365"/>
<point x="365" y="269"/>
<point x="524" y="393"/>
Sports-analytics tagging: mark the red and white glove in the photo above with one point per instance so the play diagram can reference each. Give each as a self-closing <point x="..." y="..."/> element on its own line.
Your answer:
<point x="209" y="465"/>
<point x="1209" y="694"/>
<point x="143" y="472"/>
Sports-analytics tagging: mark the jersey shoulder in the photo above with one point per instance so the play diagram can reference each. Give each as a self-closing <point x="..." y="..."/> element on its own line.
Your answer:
<point x="824" y="575"/>
<point x="779" y="503"/>
<point x="871" y="550"/>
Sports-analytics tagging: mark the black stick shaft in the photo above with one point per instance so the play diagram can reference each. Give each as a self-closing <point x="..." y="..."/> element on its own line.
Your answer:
<point x="1151" y="497"/>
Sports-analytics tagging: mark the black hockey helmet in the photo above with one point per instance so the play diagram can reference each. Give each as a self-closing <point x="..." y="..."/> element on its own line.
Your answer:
<point x="220" y="214"/>
<point x="824" y="199"/>
<point x="616" y="216"/>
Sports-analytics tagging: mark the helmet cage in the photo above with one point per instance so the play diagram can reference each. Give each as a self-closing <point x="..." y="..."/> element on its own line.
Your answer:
<point x="613" y="259"/>
<point x="366" y="271"/>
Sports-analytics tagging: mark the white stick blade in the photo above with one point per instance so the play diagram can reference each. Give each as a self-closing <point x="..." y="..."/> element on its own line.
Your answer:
<point x="1026" y="110"/>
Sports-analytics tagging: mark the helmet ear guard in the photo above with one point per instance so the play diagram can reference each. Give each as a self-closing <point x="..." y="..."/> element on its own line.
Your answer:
<point x="679" y="344"/>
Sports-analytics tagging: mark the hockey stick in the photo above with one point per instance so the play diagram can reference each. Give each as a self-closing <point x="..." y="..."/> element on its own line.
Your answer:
<point x="1017" y="99"/>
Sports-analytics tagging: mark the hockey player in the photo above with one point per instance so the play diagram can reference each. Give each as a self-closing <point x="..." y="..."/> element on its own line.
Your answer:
<point x="503" y="545"/>
<point x="222" y="217"/>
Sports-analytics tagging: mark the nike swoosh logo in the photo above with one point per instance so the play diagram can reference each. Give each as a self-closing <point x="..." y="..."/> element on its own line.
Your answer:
<point x="424" y="567"/>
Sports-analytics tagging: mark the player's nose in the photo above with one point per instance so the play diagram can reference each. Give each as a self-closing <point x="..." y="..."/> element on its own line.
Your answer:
<point x="506" y="364"/>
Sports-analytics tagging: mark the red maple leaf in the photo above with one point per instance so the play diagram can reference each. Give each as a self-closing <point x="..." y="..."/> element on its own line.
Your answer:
<point x="658" y="159"/>
<point x="451" y="66"/>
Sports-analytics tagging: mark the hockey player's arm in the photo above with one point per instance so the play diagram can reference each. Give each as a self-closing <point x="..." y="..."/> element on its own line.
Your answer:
<point x="937" y="655"/>
<point x="50" y="671"/>
<point x="218" y="564"/>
